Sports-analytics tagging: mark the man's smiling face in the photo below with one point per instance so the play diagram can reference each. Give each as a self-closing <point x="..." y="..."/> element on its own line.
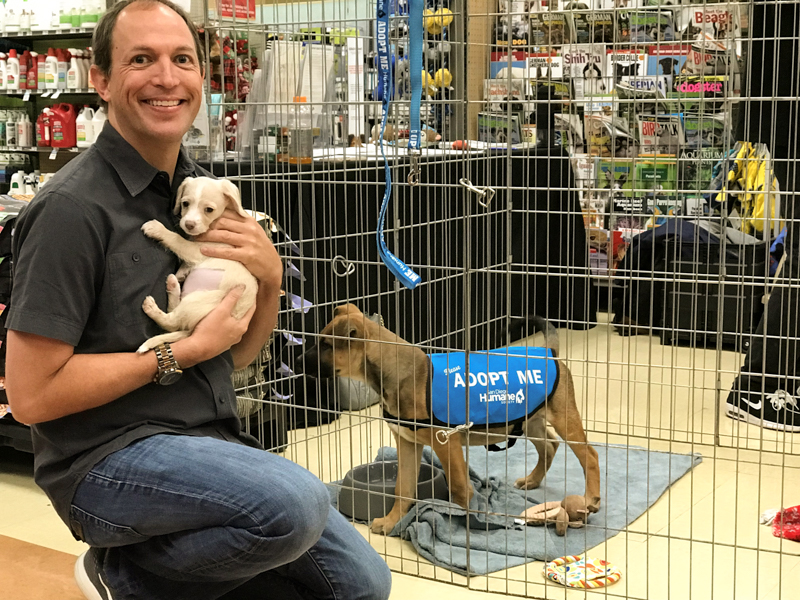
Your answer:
<point x="155" y="85"/>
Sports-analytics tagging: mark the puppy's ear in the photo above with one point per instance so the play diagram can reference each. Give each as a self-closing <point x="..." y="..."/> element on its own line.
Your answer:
<point x="179" y="195"/>
<point x="345" y="309"/>
<point x="233" y="197"/>
<point x="352" y="328"/>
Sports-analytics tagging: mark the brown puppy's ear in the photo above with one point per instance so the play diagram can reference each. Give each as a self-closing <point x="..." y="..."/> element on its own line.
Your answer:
<point x="346" y="309"/>
<point x="233" y="197"/>
<point x="179" y="195"/>
<point x="349" y="328"/>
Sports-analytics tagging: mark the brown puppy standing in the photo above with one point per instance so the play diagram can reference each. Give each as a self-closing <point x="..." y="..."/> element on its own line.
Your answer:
<point x="353" y="346"/>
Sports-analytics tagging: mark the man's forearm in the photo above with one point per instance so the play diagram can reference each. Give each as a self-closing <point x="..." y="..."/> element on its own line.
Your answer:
<point x="261" y="326"/>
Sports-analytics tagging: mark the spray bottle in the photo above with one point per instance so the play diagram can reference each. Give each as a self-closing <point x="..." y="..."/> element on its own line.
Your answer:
<point x="51" y="70"/>
<point x="12" y="70"/>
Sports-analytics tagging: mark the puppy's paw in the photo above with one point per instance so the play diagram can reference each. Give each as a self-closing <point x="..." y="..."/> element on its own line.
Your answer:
<point x="149" y="306"/>
<point x="526" y="483"/>
<point x="383" y="526"/>
<point x="173" y="286"/>
<point x="154" y="229"/>
<point x="593" y="504"/>
<point x="146" y="347"/>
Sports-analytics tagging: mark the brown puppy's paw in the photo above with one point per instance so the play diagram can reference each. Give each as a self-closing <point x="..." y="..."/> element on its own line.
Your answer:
<point x="593" y="504"/>
<point x="526" y="483"/>
<point x="383" y="526"/>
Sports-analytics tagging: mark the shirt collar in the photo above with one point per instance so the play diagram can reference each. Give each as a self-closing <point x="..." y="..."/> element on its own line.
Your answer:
<point x="134" y="171"/>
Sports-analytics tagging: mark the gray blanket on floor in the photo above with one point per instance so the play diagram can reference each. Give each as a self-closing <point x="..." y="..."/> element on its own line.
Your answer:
<point x="632" y="479"/>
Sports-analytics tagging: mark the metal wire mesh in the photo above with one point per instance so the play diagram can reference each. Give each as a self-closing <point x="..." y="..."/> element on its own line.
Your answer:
<point x="626" y="211"/>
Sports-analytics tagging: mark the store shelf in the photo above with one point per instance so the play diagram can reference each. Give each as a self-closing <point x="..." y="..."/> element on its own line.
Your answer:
<point x="39" y="149"/>
<point x="78" y="32"/>
<point x="48" y="92"/>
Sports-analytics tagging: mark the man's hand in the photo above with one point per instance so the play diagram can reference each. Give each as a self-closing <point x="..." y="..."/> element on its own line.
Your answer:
<point x="249" y="243"/>
<point x="216" y="332"/>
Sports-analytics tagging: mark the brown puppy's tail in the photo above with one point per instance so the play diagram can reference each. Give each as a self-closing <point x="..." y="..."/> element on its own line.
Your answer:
<point x="521" y="328"/>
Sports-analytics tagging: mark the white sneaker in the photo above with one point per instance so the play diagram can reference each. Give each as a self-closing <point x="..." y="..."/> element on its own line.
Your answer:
<point x="88" y="577"/>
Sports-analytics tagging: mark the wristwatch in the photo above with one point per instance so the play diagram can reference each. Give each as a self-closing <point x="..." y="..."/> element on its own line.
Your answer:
<point x="168" y="369"/>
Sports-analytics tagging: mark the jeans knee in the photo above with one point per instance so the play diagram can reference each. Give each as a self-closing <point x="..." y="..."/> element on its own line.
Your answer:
<point x="376" y="580"/>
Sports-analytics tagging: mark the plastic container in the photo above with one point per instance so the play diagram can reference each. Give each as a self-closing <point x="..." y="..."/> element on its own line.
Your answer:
<point x="51" y="70"/>
<point x="84" y="127"/>
<point x="99" y="121"/>
<point x="24" y="65"/>
<point x="12" y="70"/>
<point x="33" y="71"/>
<point x="74" y="73"/>
<point x="301" y="134"/>
<point x="62" y="64"/>
<point x="3" y="70"/>
<point x="63" y="126"/>
<point x="2" y="128"/>
<point x="43" y="129"/>
<point x="11" y="129"/>
<point x="25" y="132"/>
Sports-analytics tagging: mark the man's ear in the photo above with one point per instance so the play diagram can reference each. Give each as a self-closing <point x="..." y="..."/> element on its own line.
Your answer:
<point x="100" y="81"/>
<point x="179" y="195"/>
<point x="233" y="197"/>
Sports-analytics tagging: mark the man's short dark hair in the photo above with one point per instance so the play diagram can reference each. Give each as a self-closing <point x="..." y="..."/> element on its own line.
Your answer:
<point x="102" y="42"/>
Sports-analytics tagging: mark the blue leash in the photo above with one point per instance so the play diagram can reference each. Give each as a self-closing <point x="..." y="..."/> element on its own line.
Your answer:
<point x="399" y="269"/>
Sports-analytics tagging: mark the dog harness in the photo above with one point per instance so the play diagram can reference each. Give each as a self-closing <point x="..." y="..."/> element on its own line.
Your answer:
<point x="200" y="280"/>
<point x="498" y="388"/>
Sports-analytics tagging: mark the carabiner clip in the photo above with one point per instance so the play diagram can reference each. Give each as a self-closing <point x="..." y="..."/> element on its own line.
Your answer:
<point x="443" y="436"/>
<point x="485" y="194"/>
<point x="413" y="176"/>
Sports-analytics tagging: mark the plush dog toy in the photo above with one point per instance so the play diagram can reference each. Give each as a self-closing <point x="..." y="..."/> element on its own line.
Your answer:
<point x="570" y="512"/>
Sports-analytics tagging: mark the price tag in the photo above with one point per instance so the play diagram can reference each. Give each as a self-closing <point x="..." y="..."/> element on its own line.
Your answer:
<point x="56" y="94"/>
<point x="53" y="154"/>
<point x="27" y="95"/>
<point x="46" y="94"/>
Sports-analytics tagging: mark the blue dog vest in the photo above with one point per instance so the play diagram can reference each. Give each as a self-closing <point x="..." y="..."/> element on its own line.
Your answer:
<point x="504" y="386"/>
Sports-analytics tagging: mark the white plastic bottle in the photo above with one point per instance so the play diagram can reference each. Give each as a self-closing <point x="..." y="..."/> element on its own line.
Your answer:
<point x="2" y="17"/>
<point x="25" y="16"/>
<point x="84" y="127"/>
<point x="74" y="73"/>
<point x="91" y="14"/>
<point x="62" y="68"/>
<point x="99" y="121"/>
<point x="51" y="70"/>
<point x="3" y="69"/>
<point x="11" y="129"/>
<point x="24" y="132"/>
<point x="12" y="19"/>
<point x="12" y="70"/>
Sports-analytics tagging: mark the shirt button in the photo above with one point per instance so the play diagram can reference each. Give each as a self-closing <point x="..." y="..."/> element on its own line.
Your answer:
<point x="135" y="257"/>
<point x="221" y="399"/>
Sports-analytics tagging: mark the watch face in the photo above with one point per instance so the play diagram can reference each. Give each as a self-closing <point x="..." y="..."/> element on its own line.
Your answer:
<point x="169" y="377"/>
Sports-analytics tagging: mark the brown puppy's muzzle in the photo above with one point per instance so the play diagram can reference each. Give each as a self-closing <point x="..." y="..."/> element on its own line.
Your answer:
<point x="312" y="364"/>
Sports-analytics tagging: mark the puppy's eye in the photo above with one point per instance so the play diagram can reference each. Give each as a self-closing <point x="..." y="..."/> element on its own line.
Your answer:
<point x="209" y="209"/>
<point x="185" y="204"/>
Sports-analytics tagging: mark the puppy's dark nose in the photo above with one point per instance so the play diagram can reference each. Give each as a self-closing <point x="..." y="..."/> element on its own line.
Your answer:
<point x="190" y="225"/>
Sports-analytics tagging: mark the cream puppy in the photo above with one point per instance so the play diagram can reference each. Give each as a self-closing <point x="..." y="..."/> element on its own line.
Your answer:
<point x="201" y="282"/>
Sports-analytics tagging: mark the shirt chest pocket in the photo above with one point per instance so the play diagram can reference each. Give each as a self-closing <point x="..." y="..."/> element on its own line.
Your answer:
<point x="134" y="275"/>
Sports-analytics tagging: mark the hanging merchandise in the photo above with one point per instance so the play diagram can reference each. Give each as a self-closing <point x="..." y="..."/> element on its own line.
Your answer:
<point x="84" y="128"/>
<point x="403" y="272"/>
<point x="12" y="71"/>
<point x="63" y="126"/>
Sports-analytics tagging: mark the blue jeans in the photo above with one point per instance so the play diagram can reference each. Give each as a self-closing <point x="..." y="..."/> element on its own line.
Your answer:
<point x="198" y="518"/>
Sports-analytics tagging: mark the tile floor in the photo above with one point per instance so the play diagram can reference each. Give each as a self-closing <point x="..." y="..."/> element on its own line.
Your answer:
<point x="701" y="540"/>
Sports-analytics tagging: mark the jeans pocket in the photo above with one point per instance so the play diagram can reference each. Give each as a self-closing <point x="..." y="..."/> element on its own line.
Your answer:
<point x="100" y="533"/>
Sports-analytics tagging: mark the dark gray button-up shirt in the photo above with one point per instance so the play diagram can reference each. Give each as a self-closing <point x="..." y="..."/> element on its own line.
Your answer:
<point x="82" y="268"/>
